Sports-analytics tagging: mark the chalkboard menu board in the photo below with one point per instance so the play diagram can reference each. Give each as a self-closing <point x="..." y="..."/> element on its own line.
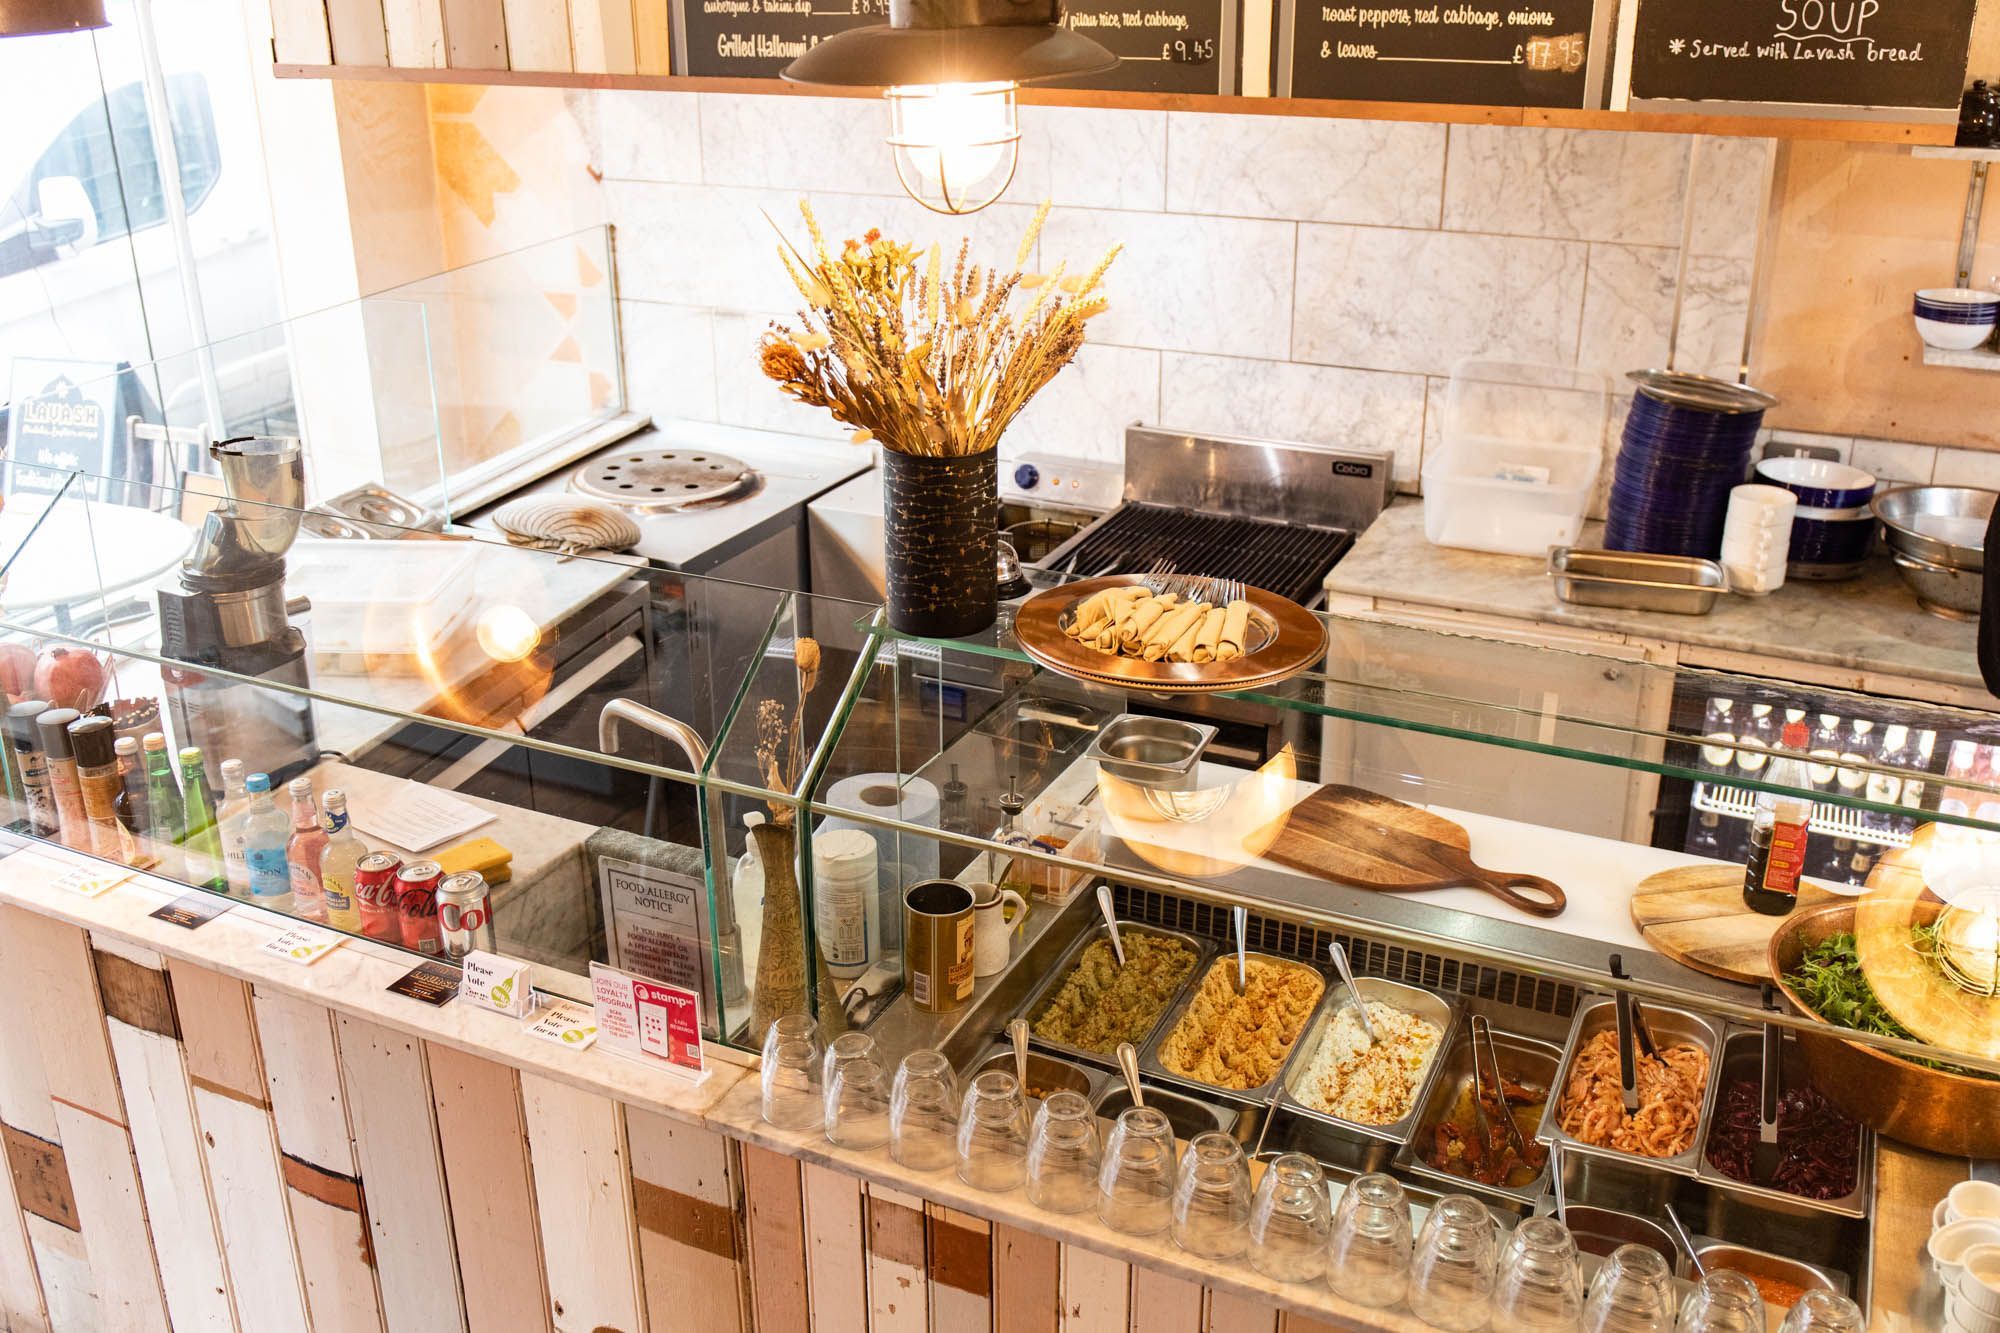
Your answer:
<point x="755" y="39"/>
<point x="1877" y="53"/>
<point x="1523" y="53"/>
<point x="1164" y="46"/>
<point x="1182" y="46"/>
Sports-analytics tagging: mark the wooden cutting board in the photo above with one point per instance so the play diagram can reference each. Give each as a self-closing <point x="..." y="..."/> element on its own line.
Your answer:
<point x="1356" y="837"/>
<point x="1695" y="915"/>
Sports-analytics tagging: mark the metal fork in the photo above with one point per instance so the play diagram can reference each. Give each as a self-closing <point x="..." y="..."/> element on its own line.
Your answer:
<point x="1158" y="576"/>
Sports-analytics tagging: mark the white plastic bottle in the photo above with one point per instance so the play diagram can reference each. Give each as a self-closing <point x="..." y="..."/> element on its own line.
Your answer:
<point x="229" y="824"/>
<point x="266" y="830"/>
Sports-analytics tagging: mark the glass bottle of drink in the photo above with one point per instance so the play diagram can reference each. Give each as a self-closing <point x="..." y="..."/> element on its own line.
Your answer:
<point x="302" y="853"/>
<point x="265" y="830"/>
<point x="229" y="823"/>
<point x="203" y="846"/>
<point x="131" y="803"/>
<point x="336" y="865"/>
<point x="1826" y="748"/>
<point x="1717" y="726"/>
<point x="1755" y="740"/>
<point x="1706" y="836"/>
<point x="1778" y="832"/>
<point x="1886" y="788"/>
<point x="166" y="819"/>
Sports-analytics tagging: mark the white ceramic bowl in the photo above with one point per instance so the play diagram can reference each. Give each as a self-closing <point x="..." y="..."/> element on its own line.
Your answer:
<point x="1942" y="1213"/>
<point x="1973" y="1199"/>
<point x="1979" y="1278"/>
<point x="1948" y="1244"/>
<point x="1961" y="1316"/>
<point x="1952" y="337"/>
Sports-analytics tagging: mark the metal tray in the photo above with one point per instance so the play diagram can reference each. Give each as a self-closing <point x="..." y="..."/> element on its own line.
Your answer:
<point x="1089" y="1083"/>
<point x="1046" y="991"/>
<point x="1668" y="1025"/>
<point x="1742" y="1054"/>
<point x="1430" y="1004"/>
<point x="1149" y="1058"/>
<point x="1679" y="585"/>
<point x="1538" y="1060"/>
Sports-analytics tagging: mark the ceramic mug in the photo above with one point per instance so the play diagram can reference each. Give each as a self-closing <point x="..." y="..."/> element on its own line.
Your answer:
<point x="991" y="927"/>
<point x="937" y="944"/>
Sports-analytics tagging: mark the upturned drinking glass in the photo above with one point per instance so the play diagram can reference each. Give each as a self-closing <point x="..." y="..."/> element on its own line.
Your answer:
<point x="923" y="1112"/>
<point x="1212" y="1194"/>
<point x="1539" y="1286"/>
<point x="1368" y="1252"/>
<point x="993" y="1133"/>
<point x="1723" y="1302"/>
<point x="847" y="1046"/>
<point x="1064" y="1154"/>
<point x="1290" y="1220"/>
<point x="1823" y="1312"/>
<point x="1451" y="1273"/>
<point x="1633" y="1293"/>
<point x="1135" y="1185"/>
<point x="857" y="1104"/>
<point x="792" y="1072"/>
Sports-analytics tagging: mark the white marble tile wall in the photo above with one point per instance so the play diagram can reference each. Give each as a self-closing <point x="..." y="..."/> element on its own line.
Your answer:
<point x="1284" y="277"/>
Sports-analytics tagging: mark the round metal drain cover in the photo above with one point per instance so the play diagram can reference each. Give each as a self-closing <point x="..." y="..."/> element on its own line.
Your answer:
<point x="664" y="478"/>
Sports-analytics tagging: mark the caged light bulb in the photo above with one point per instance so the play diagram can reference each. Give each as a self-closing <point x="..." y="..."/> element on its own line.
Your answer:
<point x="956" y="144"/>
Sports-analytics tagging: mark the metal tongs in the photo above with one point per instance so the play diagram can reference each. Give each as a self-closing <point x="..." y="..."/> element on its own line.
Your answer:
<point x="1484" y="1053"/>
<point x="1111" y="921"/>
<point x="1765" y="1158"/>
<point x="1339" y="957"/>
<point x="1634" y="1039"/>
<point x="1240" y="918"/>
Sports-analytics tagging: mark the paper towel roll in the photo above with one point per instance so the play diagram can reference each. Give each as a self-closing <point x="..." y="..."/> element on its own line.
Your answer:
<point x="904" y="859"/>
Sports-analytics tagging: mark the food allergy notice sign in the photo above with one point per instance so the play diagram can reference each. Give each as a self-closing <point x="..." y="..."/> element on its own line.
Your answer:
<point x="755" y="39"/>
<point x="1873" y="53"/>
<point x="1537" y="53"/>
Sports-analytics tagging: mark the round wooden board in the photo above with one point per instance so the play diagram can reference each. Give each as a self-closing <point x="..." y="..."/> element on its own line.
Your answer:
<point x="1695" y="915"/>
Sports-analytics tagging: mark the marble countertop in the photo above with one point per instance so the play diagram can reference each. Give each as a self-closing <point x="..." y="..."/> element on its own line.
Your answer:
<point x="1871" y="623"/>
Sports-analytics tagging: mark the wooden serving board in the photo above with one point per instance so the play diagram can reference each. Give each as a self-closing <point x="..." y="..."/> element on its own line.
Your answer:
<point x="1696" y="916"/>
<point x="1356" y="837"/>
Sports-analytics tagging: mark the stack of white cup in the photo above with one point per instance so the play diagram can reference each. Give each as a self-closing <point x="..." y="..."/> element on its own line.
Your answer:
<point x="1756" y="538"/>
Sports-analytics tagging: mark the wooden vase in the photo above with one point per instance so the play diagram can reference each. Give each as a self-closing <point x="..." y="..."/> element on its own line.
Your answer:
<point x="939" y="542"/>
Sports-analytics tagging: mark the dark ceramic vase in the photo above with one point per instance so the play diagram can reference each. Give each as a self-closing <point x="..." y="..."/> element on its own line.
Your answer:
<point x="939" y="516"/>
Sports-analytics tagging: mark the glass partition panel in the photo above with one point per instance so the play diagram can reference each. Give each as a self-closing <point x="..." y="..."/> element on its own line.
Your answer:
<point x="525" y="357"/>
<point x="353" y="381"/>
<point x="1491" y="813"/>
<point x="541" y="718"/>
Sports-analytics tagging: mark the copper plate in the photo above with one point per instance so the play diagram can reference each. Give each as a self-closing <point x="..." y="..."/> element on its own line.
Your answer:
<point x="1293" y="639"/>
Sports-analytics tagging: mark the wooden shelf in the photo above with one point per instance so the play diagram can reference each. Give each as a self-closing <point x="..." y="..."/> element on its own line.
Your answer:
<point x="1945" y="153"/>
<point x="1925" y="137"/>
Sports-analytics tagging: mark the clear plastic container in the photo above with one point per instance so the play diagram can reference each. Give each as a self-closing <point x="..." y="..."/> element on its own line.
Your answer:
<point x="1519" y="452"/>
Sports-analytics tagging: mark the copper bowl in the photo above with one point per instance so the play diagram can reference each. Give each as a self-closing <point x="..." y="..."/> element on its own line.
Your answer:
<point x="1927" y="1108"/>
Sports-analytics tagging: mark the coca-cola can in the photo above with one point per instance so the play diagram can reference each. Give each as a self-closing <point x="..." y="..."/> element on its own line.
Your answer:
<point x="465" y="914"/>
<point x="375" y="895"/>
<point x="416" y="905"/>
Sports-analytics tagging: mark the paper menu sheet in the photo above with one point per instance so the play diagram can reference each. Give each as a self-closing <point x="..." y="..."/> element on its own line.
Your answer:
<point x="420" y="818"/>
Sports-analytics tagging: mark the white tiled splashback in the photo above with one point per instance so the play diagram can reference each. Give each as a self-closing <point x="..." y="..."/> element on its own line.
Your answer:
<point x="1284" y="277"/>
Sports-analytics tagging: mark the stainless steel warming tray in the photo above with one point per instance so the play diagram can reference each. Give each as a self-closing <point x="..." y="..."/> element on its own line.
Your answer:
<point x="1046" y="990"/>
<point x="1149" y="1059"/>
<point x="1681" y="585"/>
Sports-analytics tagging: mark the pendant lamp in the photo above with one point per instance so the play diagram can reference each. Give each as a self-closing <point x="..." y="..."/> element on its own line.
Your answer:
<point x="950" y="69"/>
<point x="31" y="18"/>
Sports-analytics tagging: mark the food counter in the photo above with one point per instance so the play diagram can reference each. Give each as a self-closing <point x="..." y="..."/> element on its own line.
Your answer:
<point x="966" y="763"/>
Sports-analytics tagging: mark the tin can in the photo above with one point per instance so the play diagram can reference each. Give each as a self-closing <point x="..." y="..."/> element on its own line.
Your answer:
<point x="465" y="914"/>
<point x="416" y="905"/>
<point x="375" y="895"/>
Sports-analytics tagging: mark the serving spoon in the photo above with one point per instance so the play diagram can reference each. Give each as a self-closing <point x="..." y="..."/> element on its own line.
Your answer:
<point x="1339" y="956"/>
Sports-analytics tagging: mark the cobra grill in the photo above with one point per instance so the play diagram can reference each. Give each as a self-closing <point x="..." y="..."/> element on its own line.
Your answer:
<point x="1274" y="516"/>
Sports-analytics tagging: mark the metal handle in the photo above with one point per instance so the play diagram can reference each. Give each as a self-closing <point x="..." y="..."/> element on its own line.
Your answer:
<point x="1485" y="1052"/>
<point x="1128" y="1064"/>
<point x="1111" y="921"/>
<point x="1239" y="917"/>
<point x="1628" y="1063"/>
<point x="1687" y="1241"/>
<point x="1770" y="1083"/>
<point x="666" y="728"/>
<point x="1017" y="1032"/>
<point x="1339" y="956"/>
<point x="1556" y="1179"/>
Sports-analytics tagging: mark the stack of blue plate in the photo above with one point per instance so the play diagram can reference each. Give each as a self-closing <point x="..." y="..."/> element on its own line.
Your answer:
<point x="1687" y="443"/>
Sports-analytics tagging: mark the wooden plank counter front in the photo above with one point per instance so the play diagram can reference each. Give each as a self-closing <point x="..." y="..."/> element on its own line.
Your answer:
<point x="203" y="1135"/>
